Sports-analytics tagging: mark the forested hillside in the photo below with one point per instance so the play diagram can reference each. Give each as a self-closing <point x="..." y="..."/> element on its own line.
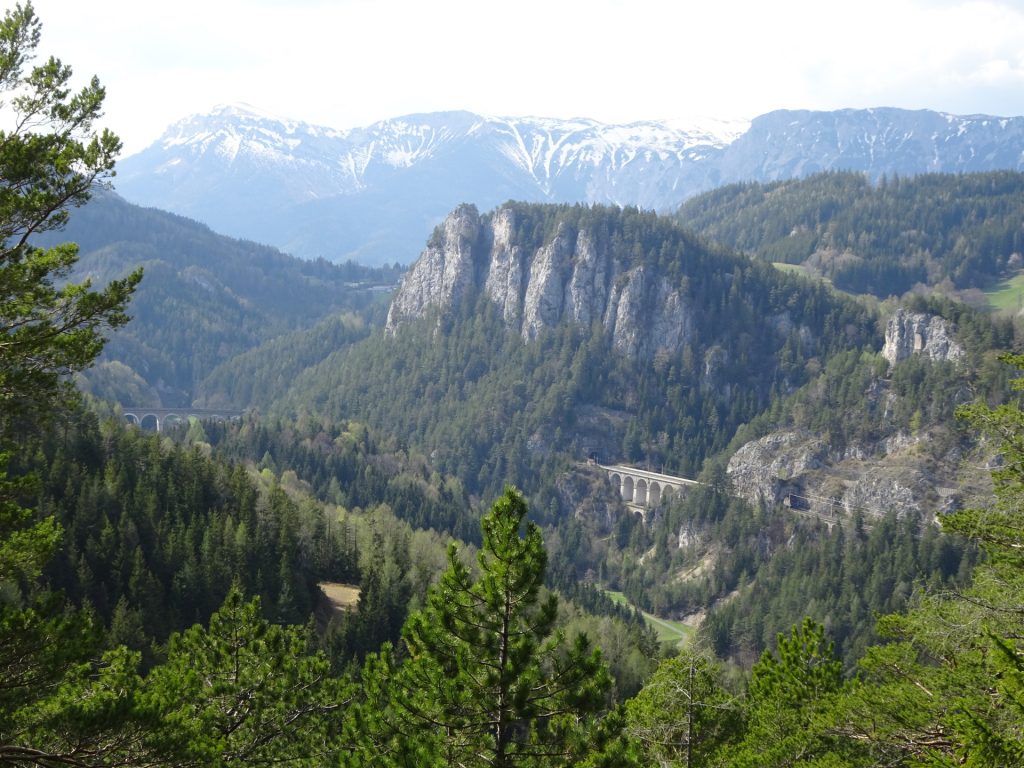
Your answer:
<point x="490" y="406"/>
<point x="884" y="238"/>
<point x="206" y="299"/>
<point x="493" y="396"/>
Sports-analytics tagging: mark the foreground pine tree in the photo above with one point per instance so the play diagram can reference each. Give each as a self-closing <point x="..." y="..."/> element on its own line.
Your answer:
<point x="242" y="691"/>
<point x="56" y="706"/>
<point x="488" y="681"/>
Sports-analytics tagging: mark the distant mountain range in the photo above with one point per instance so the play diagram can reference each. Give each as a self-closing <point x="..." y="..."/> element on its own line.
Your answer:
<point x="373" y="194"/>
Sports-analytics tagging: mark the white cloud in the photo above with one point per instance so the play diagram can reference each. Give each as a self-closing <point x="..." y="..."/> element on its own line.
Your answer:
<point x="349" y="63"/>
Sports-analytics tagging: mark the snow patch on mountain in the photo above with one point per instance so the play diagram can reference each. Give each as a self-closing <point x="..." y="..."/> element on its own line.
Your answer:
<point x="374" y="193"/>
<point x="542" y="147"/>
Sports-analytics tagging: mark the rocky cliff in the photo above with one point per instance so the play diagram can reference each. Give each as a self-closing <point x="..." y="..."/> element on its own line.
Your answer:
<point x="898" y="464"/>
<point x="899" y="473"/>
<point x="575" y="276"/>
<point x="910" y="333"/>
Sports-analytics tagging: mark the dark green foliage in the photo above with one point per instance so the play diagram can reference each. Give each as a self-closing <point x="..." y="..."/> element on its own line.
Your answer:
<point x="169" y="530"/>
<point x="879" y="239"/>
<point x="243" y="692"/>
<point x="842" y="578"/>
<point x="389" y="491"/>
<point x="256" y="377"/>
<point x="51" y="159"/>
<point x="346" y="464"/>
<point x="786" y="695"/>
<point x="56" y="705"/>
<point x="385" y="591"/>
<point x="208" y="298"/>
<point x="487" y="680"/>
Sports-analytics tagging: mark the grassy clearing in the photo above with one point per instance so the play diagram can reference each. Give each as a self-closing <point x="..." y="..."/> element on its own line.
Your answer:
<point x="1007" y="295"/>
<point x="669" y="631"/>
<point x="799" y="269"/>
<point x="342" y="597"/>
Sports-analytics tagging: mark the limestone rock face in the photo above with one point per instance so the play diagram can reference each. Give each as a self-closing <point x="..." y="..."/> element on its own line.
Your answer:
<point x="911" y="333"/>
<point x="572" y="278"/>
<point x="505" y="274"/>
<point x="773" y="465"/>
<point x="876" y="491"/>
<point x="899" y="472"/>
<point x="444" y="272"/>
<point x="550" y="270"/>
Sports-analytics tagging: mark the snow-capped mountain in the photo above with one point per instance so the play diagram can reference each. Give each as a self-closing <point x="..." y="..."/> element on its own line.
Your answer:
<point x="374" y="193"/>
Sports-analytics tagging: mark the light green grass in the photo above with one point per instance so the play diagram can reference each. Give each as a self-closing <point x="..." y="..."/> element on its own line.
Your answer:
<point x="668" y="630"/>
<point x="1008" y="294"/>
<point x="799" y="269"/>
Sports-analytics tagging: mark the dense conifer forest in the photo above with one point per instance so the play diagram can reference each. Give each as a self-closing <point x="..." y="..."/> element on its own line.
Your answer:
<point x="956" y="231"/>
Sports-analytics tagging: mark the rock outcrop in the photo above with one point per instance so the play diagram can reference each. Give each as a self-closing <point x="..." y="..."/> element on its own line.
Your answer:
<point x="444" y="272"/>
<point x="574" y="277"/>
<point x="773" y="466"/>
<point x="912" y="333"/>
<point x="900" y="472"/>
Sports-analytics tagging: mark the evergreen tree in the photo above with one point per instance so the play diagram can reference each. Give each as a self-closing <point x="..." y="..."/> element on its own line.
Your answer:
<point x="243" y="692"/>
<point x="487" y="681"/>
<point x="50" y="160"/>
<point x="53" y="709"/>
<point x="786" y="695"/>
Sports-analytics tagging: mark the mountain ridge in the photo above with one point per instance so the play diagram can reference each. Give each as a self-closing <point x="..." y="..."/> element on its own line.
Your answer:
<point x="374" y="193"/>
<point x="204" y="297"/>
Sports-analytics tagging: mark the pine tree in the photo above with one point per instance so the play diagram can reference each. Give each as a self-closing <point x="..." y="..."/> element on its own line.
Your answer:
<point x="55" y="707"/>
<point x="786" y="695"/>
<point x="488" y="681"/>
<point x="50" y="160"/>
<point x="243" y="691"/>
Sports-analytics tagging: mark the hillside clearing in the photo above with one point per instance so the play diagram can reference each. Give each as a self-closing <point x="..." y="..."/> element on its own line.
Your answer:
<point x="670" y="631"/>
<point x="1007" y="295"/>
<point x="340" y="598"/>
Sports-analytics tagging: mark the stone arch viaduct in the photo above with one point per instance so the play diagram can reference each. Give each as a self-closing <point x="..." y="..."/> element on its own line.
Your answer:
<point x="156" y="419"/>
<point x="643" y="488"/>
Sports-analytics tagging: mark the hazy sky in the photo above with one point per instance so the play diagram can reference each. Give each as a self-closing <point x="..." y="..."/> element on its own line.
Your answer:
<point x="347" y="63"/>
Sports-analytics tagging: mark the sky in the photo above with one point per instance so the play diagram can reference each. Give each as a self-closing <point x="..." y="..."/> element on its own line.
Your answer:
<point x="349" y="63"/>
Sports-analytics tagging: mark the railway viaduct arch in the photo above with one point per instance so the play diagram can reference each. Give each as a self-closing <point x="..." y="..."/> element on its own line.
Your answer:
<point x="156" y="419"/>
<point x="643" y="488"/>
